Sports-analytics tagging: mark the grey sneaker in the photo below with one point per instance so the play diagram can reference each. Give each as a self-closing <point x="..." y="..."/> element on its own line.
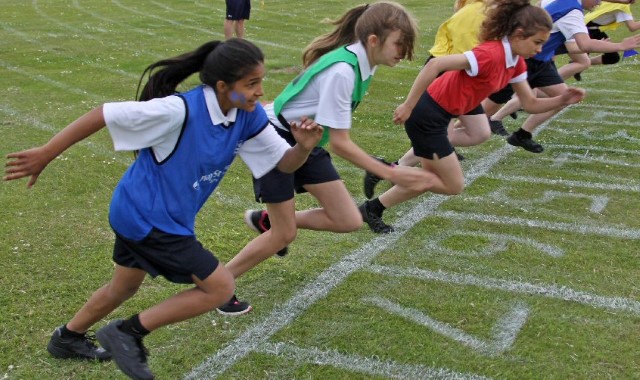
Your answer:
<point x="374" y="221"/>
<point x="128" y="351"/>
<point x="258" y="220"/>
<point x="81" y="347"/>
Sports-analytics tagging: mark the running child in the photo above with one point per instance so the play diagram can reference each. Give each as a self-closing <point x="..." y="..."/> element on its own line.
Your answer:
<point x="186" y="143"/>
<point x="568" y="23"/>
<point x="513" y="29"/>
<point x="338" y="69"/>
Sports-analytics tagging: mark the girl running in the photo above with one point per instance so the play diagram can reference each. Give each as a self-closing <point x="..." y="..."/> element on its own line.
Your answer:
<point x="186" y="143"/>
<point x="339" y="67"/>
<point x="513" y="29"/>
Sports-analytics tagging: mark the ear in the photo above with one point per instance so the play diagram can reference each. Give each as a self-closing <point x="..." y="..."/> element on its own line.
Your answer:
<point x="373" y="40"/>
<point x="519" y="33"/>
<point x="221" y="87"/>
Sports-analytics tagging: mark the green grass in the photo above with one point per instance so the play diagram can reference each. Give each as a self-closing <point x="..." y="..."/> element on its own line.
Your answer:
<point x="62" y="58"/>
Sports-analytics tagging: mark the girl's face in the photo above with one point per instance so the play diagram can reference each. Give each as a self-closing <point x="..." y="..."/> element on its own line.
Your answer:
<point x="244" y="94"/>
<point x="388" y="53"/>
<point x="527" y="47"/>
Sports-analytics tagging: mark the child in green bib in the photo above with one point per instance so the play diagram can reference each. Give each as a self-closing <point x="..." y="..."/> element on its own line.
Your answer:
<point x="338" y="69"/>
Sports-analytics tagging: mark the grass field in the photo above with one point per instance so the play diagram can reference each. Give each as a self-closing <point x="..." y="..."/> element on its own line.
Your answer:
<point x="531" y="273"/>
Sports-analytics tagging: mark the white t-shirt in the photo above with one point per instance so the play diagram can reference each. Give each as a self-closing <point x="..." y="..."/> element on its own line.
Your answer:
<point x="157" y="123"/>
<point x="327" y="97"/>
<point x="570" y="24"/>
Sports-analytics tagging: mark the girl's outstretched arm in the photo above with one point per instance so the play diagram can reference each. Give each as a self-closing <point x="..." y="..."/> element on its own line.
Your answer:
<point x="533" y="104"/>
<point x="31" y="162"/>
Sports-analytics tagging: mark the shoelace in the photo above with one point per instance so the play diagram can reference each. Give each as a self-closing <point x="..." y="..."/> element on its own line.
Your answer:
<point x="144" y="353"/>
<point x="89" y="339"/>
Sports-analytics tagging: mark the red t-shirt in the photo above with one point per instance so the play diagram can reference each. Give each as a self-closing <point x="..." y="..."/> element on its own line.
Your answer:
<point x="492" y="68"/>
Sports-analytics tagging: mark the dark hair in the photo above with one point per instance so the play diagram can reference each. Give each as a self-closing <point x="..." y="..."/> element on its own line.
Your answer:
<point x="359" y="23"/>
<point x="505" y="16"/>
<point x="226" y="61"/>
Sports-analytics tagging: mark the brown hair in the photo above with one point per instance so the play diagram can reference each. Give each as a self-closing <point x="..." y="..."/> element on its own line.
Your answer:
<point x="359" y="23"/>
<point x="505" y="16"/>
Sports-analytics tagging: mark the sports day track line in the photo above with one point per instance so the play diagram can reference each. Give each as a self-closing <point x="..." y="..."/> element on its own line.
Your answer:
<point x="370" y="366"/>
<point x="547" y="290"/>
<point x="317" y="289"/>
<point x="567" y="183"/>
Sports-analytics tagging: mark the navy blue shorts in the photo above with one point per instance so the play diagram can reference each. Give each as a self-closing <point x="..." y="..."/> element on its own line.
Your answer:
<point x="238" y="9"/>
<point x="277" y="186"/>
<point x="175" y="257"/>
<point x="539" y="74"/>
<point x="427" y="128"/>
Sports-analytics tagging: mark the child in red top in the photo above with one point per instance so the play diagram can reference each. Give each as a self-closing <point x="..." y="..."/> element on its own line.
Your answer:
<point x="513" y="30"/>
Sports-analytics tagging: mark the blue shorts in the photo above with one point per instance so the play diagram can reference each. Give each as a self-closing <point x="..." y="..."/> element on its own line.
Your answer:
<point x="175" y="257"/>
<point x="539" y="74"/>
<point x="238" y="9"/>
<point x="427" y="128"/>
<point x="277" y="186"/>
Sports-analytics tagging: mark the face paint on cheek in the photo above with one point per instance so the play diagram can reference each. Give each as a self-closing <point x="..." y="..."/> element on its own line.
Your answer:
<point x="237" y="98"/>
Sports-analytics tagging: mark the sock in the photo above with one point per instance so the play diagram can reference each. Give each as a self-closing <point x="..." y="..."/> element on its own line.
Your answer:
<point x="132" y="326"/>
<point x="375" y="207"/>
<point x="523" y="135"/>
<point x="66" y="333"/>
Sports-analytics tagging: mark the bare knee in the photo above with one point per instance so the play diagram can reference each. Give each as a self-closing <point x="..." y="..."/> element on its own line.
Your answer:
<point x="350" y="224"/>
<point x="454" y="189"/>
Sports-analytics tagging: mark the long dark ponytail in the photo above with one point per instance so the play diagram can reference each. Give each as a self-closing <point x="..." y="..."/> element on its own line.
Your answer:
<point x="227" y="61"/>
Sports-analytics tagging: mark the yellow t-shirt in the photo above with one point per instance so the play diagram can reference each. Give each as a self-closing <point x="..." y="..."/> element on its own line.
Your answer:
<point x="460" y="32"/>
<point x="604" y="8"/>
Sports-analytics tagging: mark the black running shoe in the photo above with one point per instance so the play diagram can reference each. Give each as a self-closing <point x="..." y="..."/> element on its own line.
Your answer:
<point x="374" y="221"/>
<point x="527" y="144"/>
<point x="81" y="347"/>
<point x="460" y="156"/>
<point x="497" y="128"/>
<point x="578" y="76"/>
<point x="128" y="351"/>
<point x="234" y="307"/>
<point x="258" y="220"/>
<point x="514" y="115"/>
<point x="371" y="180"/>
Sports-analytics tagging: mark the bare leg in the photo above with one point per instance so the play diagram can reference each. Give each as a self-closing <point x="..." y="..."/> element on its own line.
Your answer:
<point x="124" y="284"/>
<point x="208" y="294"/>
<point x="283" y="231"/>
<point x="475" y="132"/>
<point x="240" y="28"/>
<point x="338" y="213"/>
<point x="448" y="180"/>
<point x="228" y="29"/>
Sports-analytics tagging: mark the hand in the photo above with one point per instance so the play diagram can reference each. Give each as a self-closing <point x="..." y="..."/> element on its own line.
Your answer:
<point x="29" y="162"/>
<point x="402" y="113"/>
<point x="411" y="178"/>
<point x="573" y="95"/>
<point x="307" y="134"/>
<point x="631" y="42"/>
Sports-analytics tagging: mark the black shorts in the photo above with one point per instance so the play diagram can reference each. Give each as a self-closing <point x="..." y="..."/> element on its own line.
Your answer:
<point x="175" y="257"/>
<point x="277" y="186"/>
<point x="539" y="74"/>
<point x="238" y="9"/>
<point x="427" y="128"/>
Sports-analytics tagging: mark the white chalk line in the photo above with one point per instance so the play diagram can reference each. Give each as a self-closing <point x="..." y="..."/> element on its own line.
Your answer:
<point x="365" y="365"/>
<point x="546" y="290"/>
<point x="503" y="333"/>
<point x="593" y="148"/>
<point x="317" y="289"/>
<point x="567" y="183"/>
<point x="615" y="232"/>
<point x="498" y="243"/>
